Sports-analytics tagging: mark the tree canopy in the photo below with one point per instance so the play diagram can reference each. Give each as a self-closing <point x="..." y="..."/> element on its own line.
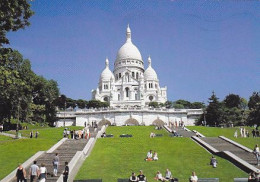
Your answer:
<point x="14" y="15"/>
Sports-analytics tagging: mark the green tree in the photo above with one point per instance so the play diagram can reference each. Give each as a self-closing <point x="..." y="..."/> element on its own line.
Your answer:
<point x="180" y="104"/>
<point x="154" y="104"/>
<point x="97" y="104"/>
<point x="82" y="104"/>
<point x="214" y="111"/>
<point x="254" y="109"/>
<point x="168" y="104"/>
<point x="14" y="15"/>
<point x="71" y="103"/>
<point x="232" y="100"/>
<point x="197" y="105"/>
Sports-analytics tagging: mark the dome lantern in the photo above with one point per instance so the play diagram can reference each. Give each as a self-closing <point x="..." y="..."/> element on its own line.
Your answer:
<point x="128" y="33"/>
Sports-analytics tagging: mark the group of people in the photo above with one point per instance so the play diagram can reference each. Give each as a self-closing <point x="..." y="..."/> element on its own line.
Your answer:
<point x="76" y="134"/>
<point x="36" y="134"/>
<point x="254" y="177"/>
<point x="140" y="178"/>
<point x="176" y="124"/>
<point x="257" y="154"/>
<point x="151" y="156"/>
<point x="159" y="177"/>
<point x="37" y="173"/>
<point x="168" y="176"/>
<point x="245" y="133"/>
<point x="255" y="133"/>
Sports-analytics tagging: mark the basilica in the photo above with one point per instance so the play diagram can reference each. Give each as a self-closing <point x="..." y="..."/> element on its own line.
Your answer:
<point x="129" y="85"/>
<point x="129" y="89"/>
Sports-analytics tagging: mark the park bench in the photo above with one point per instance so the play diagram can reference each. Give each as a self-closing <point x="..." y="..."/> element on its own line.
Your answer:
<point x="122" y="180"/>
<point x="89" y="180"/>
<point x="240" y="180"/>
<point x="158" y="135"/>
<point x="109" y="136"/>
<point x="175" y="135"/>
<point x="208" y="180"/>
<point x="125" y="135"/>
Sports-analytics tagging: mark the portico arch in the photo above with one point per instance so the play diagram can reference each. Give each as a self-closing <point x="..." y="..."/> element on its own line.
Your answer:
<point x="158" y="122"/>
<point x="132" y="121"/>
<point x="104" y="122"/>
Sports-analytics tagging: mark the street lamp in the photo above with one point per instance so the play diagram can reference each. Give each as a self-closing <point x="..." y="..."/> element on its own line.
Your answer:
<point x="205" y="122"/>
<point x="18" y="116"/>
<point x="65" y="105"/>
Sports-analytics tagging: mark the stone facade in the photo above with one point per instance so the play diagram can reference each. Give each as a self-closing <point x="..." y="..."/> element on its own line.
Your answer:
<point x="120" y="117"/>
<point x="130" y="85"/>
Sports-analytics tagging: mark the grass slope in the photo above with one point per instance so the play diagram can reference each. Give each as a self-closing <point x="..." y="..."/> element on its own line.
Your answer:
<point x="116" y="157"/>
<point x="229" y="133"/>
<point x="13" y="151"/>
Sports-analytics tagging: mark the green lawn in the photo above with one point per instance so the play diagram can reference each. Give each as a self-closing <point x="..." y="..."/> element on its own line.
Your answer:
<point x="116" y="157"/>
<point x="229" y="133"/>
<point x="13" y="151"/>
<point x="4" y="138"/>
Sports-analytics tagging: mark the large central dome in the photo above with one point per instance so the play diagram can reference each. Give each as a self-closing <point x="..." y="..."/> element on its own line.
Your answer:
<point x="128" y="50"/>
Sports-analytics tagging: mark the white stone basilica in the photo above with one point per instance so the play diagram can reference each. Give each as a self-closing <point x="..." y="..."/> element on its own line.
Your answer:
<point x="129" y="89"/>
<point x="129" y="85"/>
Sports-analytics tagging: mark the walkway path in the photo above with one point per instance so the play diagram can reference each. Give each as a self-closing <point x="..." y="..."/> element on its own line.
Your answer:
<point x="185" y="133"/>
<point x="181" y="131"/>
<point x="9" y="135"/>
<point x="66" y="152"/>
<point x="222" y="145"/>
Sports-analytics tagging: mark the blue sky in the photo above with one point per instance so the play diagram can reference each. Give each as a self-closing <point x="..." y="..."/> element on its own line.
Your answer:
<point x="196" y="46"/>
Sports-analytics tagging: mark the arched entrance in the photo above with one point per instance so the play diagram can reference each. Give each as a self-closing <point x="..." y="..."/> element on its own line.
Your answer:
<point x="104" y="122"/>
<point x="158" y="122"/>
<point x="132" y="122"/>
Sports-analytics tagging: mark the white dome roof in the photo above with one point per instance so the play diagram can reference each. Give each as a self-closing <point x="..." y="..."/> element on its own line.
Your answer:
<point x="150" y="73"/>
<point x="106" y="74"/>
<point x="128" y="50"/>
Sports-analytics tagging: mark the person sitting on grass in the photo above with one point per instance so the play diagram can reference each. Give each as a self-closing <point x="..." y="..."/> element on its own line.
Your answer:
<point x="141" y="177"/>
<point x="133" y="177"/>
<point x="155" y="156"/>
<point x="159" y="177"/>
<point x="213" y="161"/>
<point x="193" y="177"/>
<point x="169" y="177"/>
<point x="168" y="174"/>
<point x="152" y="135"/>
<point x="149" y="156"/>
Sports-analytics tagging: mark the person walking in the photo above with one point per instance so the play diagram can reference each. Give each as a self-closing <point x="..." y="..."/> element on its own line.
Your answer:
<point x="43" y="173"/>
<point x="235" y="134"/>
<point x="66" y="172"/>
<point x="257" y="154"/>
<point x="31" y="134"/>
<point x="34" y="172"/>
<point x="36" y="134"/>
<point x="55" y="162"/>
<point x="21" y="174"/>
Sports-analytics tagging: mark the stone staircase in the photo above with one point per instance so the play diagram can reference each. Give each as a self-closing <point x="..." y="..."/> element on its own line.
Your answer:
<point x="184" y="133"/>
<point x="66" y="152"/>
<point x="222" y="145"/>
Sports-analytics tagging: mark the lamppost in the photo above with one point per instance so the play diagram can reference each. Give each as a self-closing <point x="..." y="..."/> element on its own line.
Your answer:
<point x="18" y="116"/>
<point x="205" y="122"/>
<point x="65" y="105"/>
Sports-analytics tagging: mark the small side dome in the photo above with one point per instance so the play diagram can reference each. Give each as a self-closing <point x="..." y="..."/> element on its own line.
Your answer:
<point x="150" y="73"/>
<point x="106" y="74"/>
